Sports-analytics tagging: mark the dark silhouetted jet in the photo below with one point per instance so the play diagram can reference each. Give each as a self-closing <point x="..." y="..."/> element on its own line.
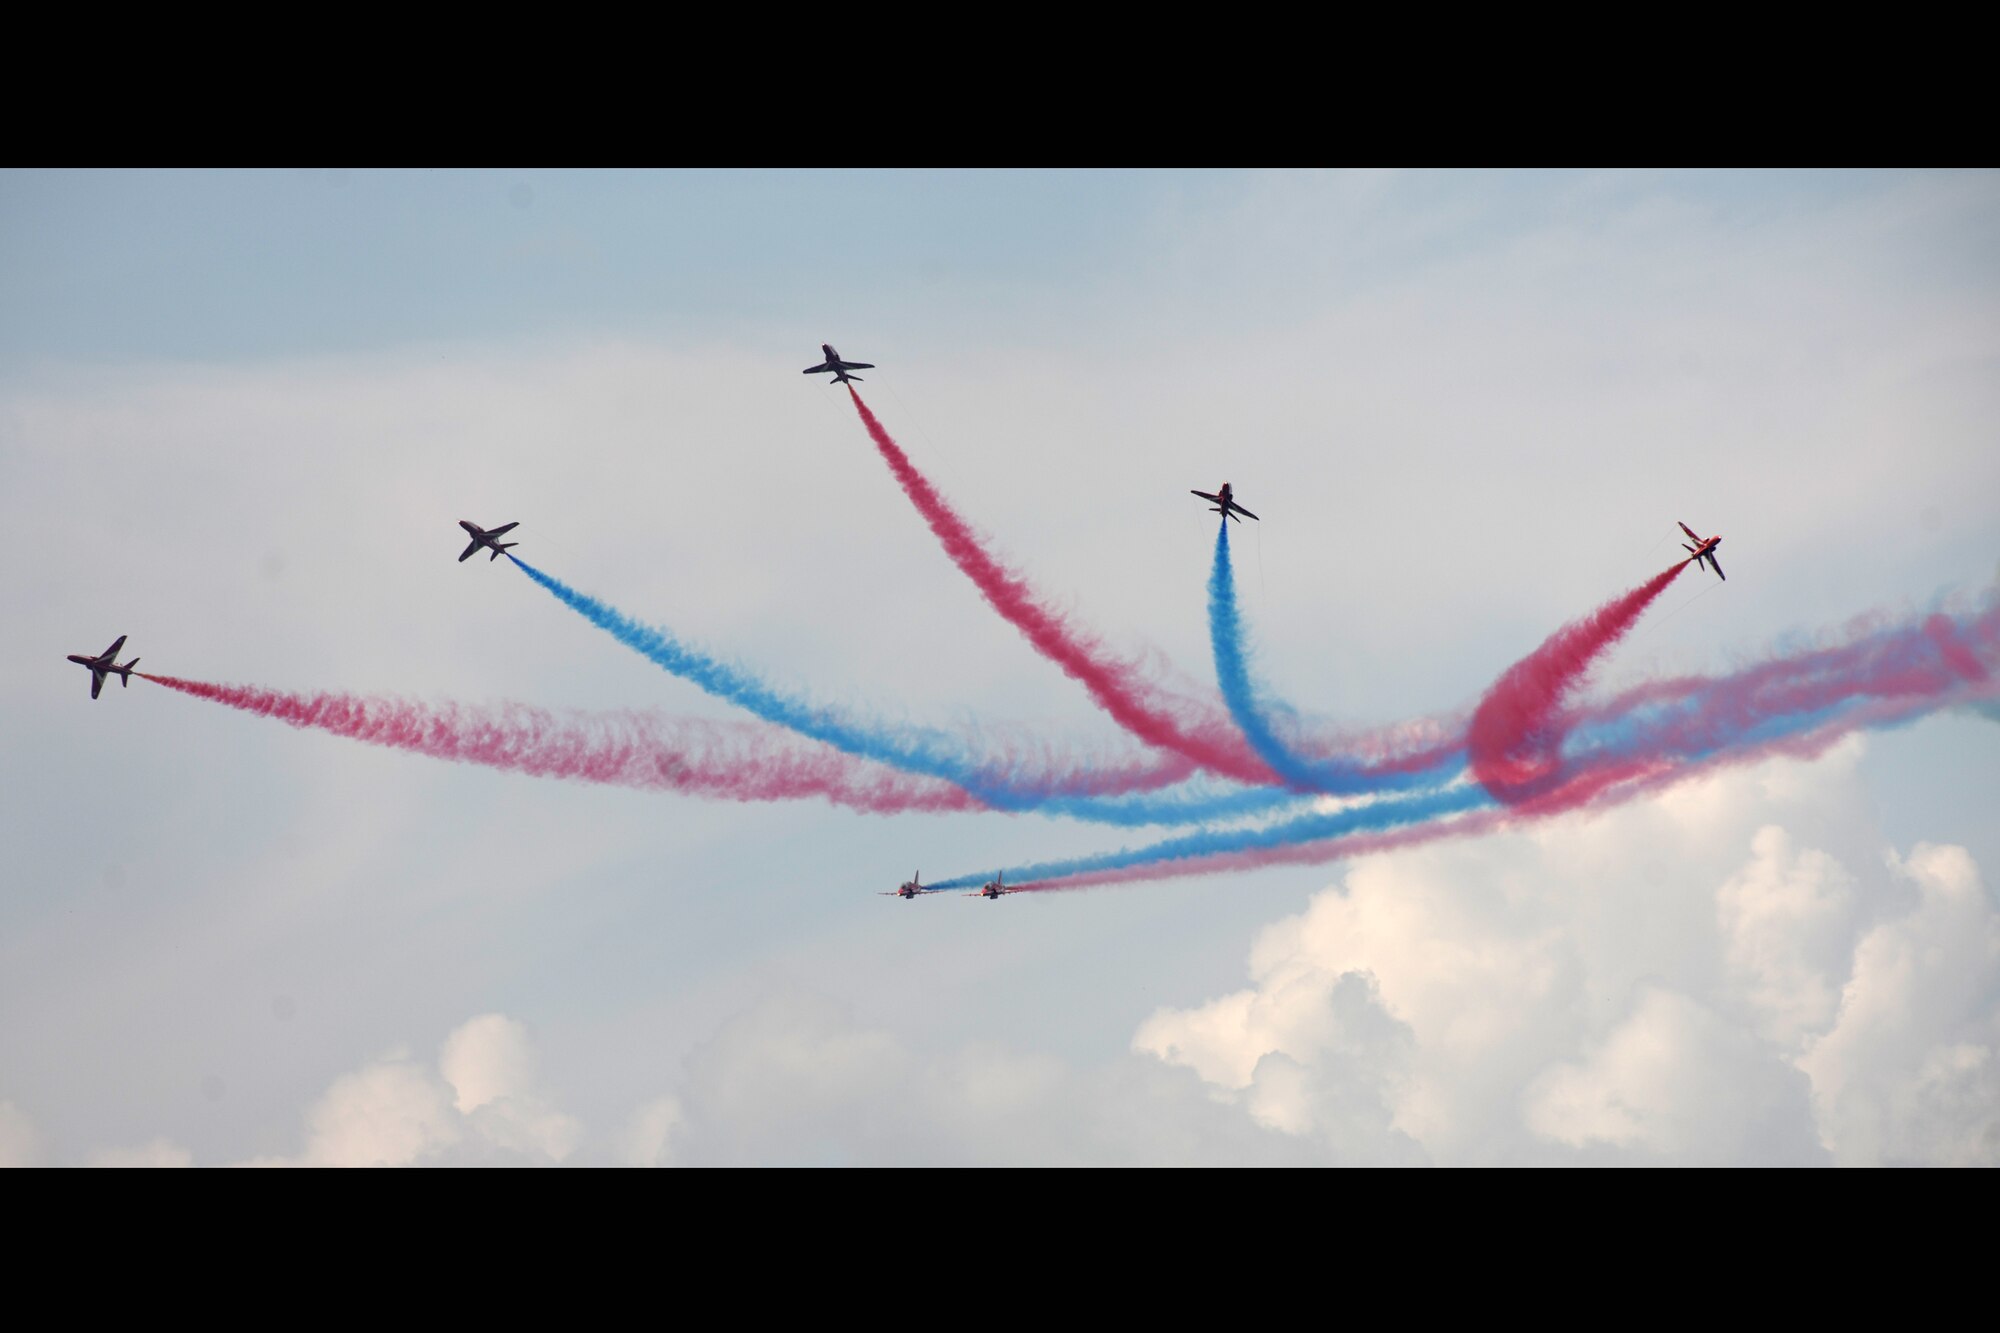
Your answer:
<point x="102" y="666"/>
<point x="1224" y="505"/>
<point x="481" y="537"/>
<point x="837" y="366"/>
<point x="1704" y="549"/>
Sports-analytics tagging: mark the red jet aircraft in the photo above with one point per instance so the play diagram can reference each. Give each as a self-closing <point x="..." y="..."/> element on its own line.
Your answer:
<point x="909" y="888"/>
<point x="993" y="888"/>
<point x="1704" y="549"/>
<point x="1224" y="504"/>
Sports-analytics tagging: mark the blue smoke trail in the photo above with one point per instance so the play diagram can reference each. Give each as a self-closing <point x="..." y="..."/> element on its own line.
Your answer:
<point x="1388" y="813"/>
<point x="1232" y="673"/>
<point x="917" y="750"/>
<point x="1840" y="687"/>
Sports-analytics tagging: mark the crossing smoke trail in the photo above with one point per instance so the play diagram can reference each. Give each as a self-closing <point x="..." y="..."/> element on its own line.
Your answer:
<point x="1423" y="767"/>
<point x="734" y="761"/>
<point x="1116" y="686"/>
<point x="916" y="750"/>
<point x="1641" y="741"/>
<point x="1514" y="741"/>
<point x="1156" y="860"/>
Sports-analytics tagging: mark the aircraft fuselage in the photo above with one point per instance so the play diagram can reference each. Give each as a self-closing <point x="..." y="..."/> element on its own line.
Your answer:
<point x="106" y="664"/>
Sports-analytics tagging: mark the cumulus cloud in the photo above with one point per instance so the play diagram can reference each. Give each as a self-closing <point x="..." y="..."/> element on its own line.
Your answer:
<point x="392" y="1112"/>
<point x="158" y="1153"/>
<point x="482" y="1104"/>
<point x="795" y="1080"/>
<point x="490" y="1064"/>
<point x="1787" y="926"/>
<point x="1679" y="981"/>
<point x="1676" y="1080"/>
<point x="20" y="1142"/>
<point x="1908" y="1074"/>
<point x="648" y="1136"/>
<point x="1735" y="974"/>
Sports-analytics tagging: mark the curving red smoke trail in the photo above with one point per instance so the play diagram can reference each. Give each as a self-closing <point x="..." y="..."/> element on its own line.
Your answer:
<point x="1796" y="706"/>
<point x="730" y="761"/>
<point x="1594" y="786"/>
<point x="1116" y="686"/>
<point x="1515" y="740"/>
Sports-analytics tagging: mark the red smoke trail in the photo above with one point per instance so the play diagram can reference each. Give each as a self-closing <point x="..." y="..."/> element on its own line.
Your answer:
<point x="1115" y="685"/>
<point x="1940" y="631"/>
<point x="730" y="761"/>
<point x="1881" y="661"/>
<point x="1591" y="787"/>
<point x="1515" y="741"/>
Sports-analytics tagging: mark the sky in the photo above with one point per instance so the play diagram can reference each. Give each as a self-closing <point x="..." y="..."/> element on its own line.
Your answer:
<point x="241" y="414"/>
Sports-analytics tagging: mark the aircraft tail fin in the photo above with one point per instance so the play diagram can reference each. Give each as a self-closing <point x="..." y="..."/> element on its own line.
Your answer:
<point x="125" y="672"/>
<point x="498" y="547"/>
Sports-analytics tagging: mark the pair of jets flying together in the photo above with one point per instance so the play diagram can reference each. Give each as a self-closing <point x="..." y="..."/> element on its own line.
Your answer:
<point x="913" y="887"/>
<point x="1702" y="551"/>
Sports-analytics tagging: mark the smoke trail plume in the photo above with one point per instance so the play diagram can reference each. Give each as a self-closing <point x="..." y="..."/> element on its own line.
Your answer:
<point x="1117" y="686"/>
<point x="734" y="761"/>
<point x="1515" y="739"/>
<point x="1428" y="766"/>
<point x="917" y="750"/>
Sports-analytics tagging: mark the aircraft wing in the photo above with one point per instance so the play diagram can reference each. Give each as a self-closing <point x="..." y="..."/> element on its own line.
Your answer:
<point x="1716" y="565"/>
<point x="96" y="681"/>
<point x="466" y="554"/>
<point x="1241" y="510"/>
<point x="856" y="365"/>
<point x="1206" y="496"/>
<point x="504" y="527"/>
<point x="1690" y="532"/>
<point x="112" y="651"/>
<point x="821" y="368"/>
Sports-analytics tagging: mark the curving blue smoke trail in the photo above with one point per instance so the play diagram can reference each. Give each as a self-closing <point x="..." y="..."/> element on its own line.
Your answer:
<point x="912" y="749"/>
<point x="1300" y="772"/>
<point x="1387" y="813"/>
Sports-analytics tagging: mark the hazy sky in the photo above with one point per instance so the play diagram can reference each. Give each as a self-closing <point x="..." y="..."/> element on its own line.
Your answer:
<point x="241" y="413"/>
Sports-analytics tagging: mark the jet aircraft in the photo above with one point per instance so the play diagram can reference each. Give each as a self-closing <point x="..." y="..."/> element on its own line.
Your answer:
<point x="993" y="888"/>
<point x="482" y="537"/>
<point x="1224" y="504"/>
<point x="1704" y="549"/>
<point x="909" y="888"/>
<point x="103" y="665"/>
<point x="837" y="366"/>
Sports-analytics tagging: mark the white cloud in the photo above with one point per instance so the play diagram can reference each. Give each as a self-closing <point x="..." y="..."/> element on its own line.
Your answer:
<point x="20" y="1142"/>
<point x="482" y="1105"/>
<point x="392" y="1112"/>
<point x="648" y="1137"/>
<point x="489" y="1062"/>
<point x="1787" y="925"/>
<point x="1631" y="987"/>
<point x="794" y="1080"/>
<point x="1908" y="1074"/>
<point x="158" y="1153"/>
<point x="1677" y="1080"/>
